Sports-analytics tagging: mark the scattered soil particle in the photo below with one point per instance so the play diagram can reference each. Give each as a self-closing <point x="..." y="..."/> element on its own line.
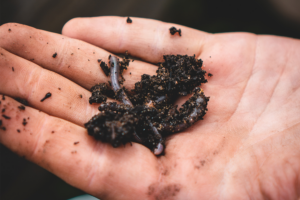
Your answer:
<point x="80" y="96"/>
<point x="54" y="55"/>
<point x="46" y="96"/>
<point x="129" y="20"/>
<point x="3" y="128"/>
<point x="3" y="97"/>
<point x="72" y="54"/>
<point x="18" y="130"/>
<point x="105" y="68"/>
<point x="6" y="117"/>
<point x="76" y="142"/>
<point x="93" y="52"/>
<point x="3" y="110"/>
<point x="99" y="60"/>
<point x="32" y="59"/>
<point x="21" y="107"/>
<point x="24" y="122"/>
<point x="0" y="122"/>
<point x="22" y="101"/>
<point x="59" y="88"/>
<point x="73" y="152"/>
<point x="13" y="69"/>
<point x="9" y="30"/>
<point x="209" y="74"/>
<point x="164" y="193"/>
<point x="173" y="30"/>
<point x="52" y="132"/>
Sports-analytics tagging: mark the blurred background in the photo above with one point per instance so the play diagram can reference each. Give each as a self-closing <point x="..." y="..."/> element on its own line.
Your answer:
<point x="22" y="180"/>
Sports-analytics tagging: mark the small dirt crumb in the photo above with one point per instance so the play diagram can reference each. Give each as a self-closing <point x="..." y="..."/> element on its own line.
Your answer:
<point x="21" y="107"/>
<point x="18" y="130"/>
<point x="3" y="110"/>
<point x="24" y="122"/>
<point x="99" y="60"/>
<point x="130" y="73"/>
<point x="173" y="30"/>
<point x="3" y="97"/>
<point x="72" y="54"/>
<point x="54" y="55"/>
<point x="80" y="95"/>
<point x="129" y="20"/>
<point x="76" y="142"/>
<point x="52" y="132"/>
<point x="9" y="30"/>
<point x="59" y="88"/>
<point x="3" y="128"/>
<point x="209" y="74"/>
<point x="73" y="152"/>
<point x="22" y="101"/>
<point x="13" y="69"/>
<point x="6" y="117"/>
<point x="46" y="96"/>
<point x="0" y="122"/>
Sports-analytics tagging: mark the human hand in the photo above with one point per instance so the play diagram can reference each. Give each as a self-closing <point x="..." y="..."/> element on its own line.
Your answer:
<point x="246" y="146"/>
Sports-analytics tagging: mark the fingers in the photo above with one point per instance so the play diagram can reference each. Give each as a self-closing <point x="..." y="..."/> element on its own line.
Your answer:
<point x="144" y="38"/>
<point x="66" y="150"/>
<point x="74" y="59"/>
<point x="24" y="79"/>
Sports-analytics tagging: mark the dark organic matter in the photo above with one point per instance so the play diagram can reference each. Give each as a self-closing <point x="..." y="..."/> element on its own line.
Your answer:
<point x="147" y="115"/>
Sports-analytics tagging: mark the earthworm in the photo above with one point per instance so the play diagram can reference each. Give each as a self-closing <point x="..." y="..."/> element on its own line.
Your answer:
<point x="198" y="111"/>
<point x="114" y="75"/>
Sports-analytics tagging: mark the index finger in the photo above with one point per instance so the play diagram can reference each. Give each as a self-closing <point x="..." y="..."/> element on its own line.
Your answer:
<point x="144" y="38"/>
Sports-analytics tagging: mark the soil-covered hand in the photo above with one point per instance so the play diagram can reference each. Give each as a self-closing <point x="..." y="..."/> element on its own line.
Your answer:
<point x="247" y="146"/>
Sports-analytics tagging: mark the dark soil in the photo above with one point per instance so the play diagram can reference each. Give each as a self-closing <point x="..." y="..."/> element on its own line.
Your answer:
<point x="152" y="115"/>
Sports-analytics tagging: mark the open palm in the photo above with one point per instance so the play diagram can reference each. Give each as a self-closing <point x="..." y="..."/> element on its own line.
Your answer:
<point x="247" y="146"/>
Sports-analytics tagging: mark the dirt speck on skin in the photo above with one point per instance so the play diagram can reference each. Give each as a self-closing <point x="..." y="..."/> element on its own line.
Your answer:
<point x="3" y="97"/>
<point x="209" y="74"/>
<point x="46" y="96"/>
<point x="18" y="130"/>
<point x="173" y="30"/>
<point x="6" y="117"/>
<point x="9" y="30"/>
<point x="77" y="142"/>
<point x="167" y="192"/>
<point x="80" y="96"/>
<point x="3" y="128"/>
<point x="52" y="132"/>
<point x="59" y="88"/>
<point x="129" y="21"/>
<point x="73" y="152"/>
<point x="24" y="122"/>
<point x="0" y="122"/>
<point x="13" y="69"/>
<point x="54" y="55"/>
<point x="21" y="107"/>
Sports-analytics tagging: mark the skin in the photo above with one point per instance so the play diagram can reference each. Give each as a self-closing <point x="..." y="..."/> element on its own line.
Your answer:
<point x="247" y="146"/>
